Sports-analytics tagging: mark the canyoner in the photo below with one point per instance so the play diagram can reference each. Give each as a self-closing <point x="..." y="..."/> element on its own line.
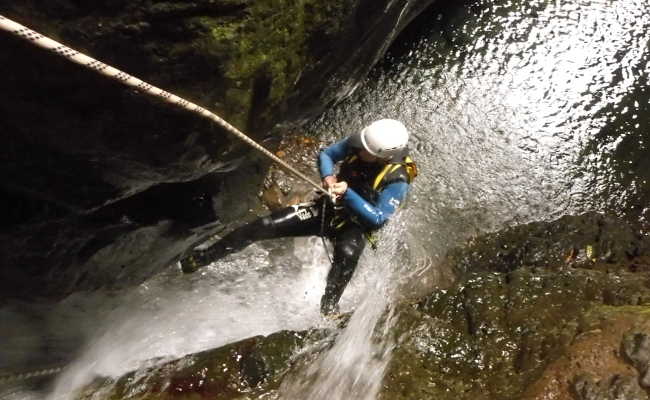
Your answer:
<point x="374" y="177"/>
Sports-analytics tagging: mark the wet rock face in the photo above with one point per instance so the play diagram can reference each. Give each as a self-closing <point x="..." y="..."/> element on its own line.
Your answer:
<point x="371" y="27"/>
<point x="636" y="348"/>
<point x="592" y="240"/>
<point x="241" y="370"/>
<point x="493" y="335"/>
<point x="282" y="189"/>
<point x="617" y="387"/>
<point x="593" y="365"/>
<point x="85" y="159"/>
<point x="554" y="331"/>
<point x="240" y="58"/>
<point x="524" y="321"/>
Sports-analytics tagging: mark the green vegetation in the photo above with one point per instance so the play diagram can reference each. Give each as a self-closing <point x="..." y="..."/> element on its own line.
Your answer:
<point x="270" y="46"/>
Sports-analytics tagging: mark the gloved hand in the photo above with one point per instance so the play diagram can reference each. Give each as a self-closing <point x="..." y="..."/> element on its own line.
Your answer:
<point x="339" y="188"/>
<point x="329" y="181"/>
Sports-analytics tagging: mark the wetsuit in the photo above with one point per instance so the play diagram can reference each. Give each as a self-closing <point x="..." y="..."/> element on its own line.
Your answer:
<point x="362" y="210"/>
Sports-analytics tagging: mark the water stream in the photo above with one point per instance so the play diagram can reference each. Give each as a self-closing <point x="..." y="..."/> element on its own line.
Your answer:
<point x="354" y="367"/>
<point x="519" y="111"/>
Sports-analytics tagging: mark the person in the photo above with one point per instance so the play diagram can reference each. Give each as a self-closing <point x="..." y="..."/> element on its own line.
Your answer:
<point x="373" y="180"/>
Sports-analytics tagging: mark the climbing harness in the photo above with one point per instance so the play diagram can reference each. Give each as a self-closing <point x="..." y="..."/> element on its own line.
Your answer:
<point x="4" y="379"/>
<point x="408" y="164"/>
<point x="44" y="42"/>
<point x="410" y="168"/>
<point x="401" y="168"/>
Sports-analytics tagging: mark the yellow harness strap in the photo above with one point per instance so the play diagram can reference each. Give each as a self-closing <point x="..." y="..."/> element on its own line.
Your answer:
<point x="387" y="170"/>
<point x="408" y="164"/>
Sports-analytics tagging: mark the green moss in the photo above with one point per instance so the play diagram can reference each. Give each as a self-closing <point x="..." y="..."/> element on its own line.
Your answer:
<point x="269" y="44"/>
<point x="607" y="312"/>
<point x="492" y="335"/>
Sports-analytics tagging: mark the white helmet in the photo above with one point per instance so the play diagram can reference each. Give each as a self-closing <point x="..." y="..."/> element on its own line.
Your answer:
<point x="385" y="138"/>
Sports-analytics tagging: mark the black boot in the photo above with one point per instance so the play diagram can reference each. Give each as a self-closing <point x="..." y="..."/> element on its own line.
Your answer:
<point x="193" y="261"/>
<point x="329" y="305"/>
<point x="349" y="243"/>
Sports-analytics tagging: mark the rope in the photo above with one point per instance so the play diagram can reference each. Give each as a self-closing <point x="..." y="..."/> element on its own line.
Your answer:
<point x="44" y="42"/>
<point x="4" y="379"/>
<point x="322" y="229"/>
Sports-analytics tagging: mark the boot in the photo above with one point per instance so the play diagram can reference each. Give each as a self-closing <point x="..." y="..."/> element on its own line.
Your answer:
<point x="193" y="261"/>
<point x="329" y="306"/>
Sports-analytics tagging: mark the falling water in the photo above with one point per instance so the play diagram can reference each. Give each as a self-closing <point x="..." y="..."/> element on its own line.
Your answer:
<point x="519" y="111"/>
<point x="258" y="291"/>
<point x="503" y="100"/>
<point x="354" y="367"/>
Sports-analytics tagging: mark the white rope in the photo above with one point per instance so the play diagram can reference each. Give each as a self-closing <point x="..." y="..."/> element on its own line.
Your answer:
<point x="41" y="41"/>
<point x="29" y="375"/>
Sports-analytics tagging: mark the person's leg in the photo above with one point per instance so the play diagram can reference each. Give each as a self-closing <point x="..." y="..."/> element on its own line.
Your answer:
<point x="348" y="246"/>
<point x="297" y="220"/>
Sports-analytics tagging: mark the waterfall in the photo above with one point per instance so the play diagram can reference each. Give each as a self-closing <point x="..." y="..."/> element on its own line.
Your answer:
<point x="354" y="367"/>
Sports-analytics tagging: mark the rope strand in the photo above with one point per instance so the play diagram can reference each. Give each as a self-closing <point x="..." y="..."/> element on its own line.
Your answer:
<point x="44" y="42"/>
<point x="29" y="375"/>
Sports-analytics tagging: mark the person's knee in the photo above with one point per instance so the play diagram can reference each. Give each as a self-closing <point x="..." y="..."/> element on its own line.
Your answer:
<point x="260" y="229"/>
<point x="350" y="250"/>
<point x="266" y="224"/>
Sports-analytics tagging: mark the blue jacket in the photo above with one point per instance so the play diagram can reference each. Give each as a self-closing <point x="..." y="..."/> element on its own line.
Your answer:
<point x="371" y="215"/>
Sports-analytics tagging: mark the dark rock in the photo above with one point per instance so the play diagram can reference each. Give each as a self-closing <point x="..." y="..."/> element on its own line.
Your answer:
<point x="591" y="240"/>
<point x="521" y="309"/>
<point x="283" y="189"/>
<point x="125" y="243"/>
<point x="492" y="335"/>
<point x="636" y="348"/>
<point x="249" y="367"/>
<point x="367" y="34"/>
<point x="615" y="388"/>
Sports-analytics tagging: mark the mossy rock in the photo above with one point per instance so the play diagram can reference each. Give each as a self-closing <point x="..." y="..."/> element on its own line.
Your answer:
<point x="592" y="240"/>
<point x="608" y="359"/>
<point x="493" y="335"/>
<point x="240" y="370"/>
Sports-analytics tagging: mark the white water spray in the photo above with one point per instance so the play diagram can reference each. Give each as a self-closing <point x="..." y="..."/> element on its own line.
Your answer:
<point x="258" y="291"/>
<point x="355" y="365"/>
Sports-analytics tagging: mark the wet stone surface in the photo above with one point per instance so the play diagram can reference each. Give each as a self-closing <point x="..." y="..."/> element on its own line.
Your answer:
<point x="617" y="387"/>
<point x="592" y="241"/>
<point x="520" y="333"/>
<point x="521" y="310"/>
<point x="282" y="188"/>
<point x="636" y="348"/>
<point x="241" y="370"/>
<point x="494" y="335"/>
